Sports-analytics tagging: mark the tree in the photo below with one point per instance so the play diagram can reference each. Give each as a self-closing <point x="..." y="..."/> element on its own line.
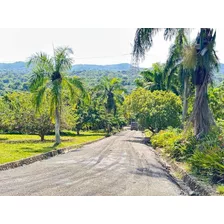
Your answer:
<point x="156" y="79"/>
<point x="203" y="60"/>
<point x="152" y="79"/>
<point x="144" y="40"/>
<point x="174" y="69"/>
<point x="19" y="115"/>
<point x="49" y="73"/>
<point x="155" y="110"/>
<point x="111" y="92"/>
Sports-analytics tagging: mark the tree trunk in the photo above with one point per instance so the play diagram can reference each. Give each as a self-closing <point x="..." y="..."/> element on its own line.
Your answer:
<point x="203" y="118"/>
<point x="57" y="126"/>
<point x="185" y="98"/>
<point x="78" y="131"/>
<point x="42" y="137"/>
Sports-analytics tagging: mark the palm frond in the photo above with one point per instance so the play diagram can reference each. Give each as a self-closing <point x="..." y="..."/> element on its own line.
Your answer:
<point x="143" y="42"/>
<point x="63" y="59"/>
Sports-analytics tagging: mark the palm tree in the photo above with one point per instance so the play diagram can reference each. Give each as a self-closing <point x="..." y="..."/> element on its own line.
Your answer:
<point x="203" y="60"/>
<point x="49" y="77"/>
<point x="174" y="68"/>
<point x="144" y="40"/>
<point x="155" y="79"/>
<point x="111" y="92"/>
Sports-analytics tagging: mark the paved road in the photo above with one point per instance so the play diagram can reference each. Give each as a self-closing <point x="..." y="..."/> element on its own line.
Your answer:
<point x="118" y="165"/>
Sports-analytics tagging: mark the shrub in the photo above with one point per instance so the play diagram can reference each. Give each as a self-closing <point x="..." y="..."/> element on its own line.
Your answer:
<point x="220" y="189"/>
<point x="209" y="163"/>
<point x="166" y="138"/>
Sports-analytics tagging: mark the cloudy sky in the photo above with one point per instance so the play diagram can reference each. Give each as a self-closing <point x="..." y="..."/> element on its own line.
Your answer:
<point x="90" y="46"/>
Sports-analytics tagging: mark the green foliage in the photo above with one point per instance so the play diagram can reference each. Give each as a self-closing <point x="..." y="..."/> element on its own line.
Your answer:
<point x="155" y="110"/>
<point x="205" y="156"/>
<point x="220" y="189"/>
<point x="19" y="115"/>
<point x="216" y="101"/>
<point x="166" y="138"/>
<point x="209" y="163"/>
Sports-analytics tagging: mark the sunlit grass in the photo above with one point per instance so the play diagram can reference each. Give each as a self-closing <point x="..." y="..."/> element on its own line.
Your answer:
<point x="15" y="146"/>
<point x="220" y="189"/>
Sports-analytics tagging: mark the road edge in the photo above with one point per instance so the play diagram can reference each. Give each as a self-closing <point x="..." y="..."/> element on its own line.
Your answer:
<point x="188" y="183"/>
<point x="43" y="156"/>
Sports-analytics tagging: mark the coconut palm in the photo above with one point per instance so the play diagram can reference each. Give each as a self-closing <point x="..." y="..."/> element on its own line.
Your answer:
<point x="49" y="76"/>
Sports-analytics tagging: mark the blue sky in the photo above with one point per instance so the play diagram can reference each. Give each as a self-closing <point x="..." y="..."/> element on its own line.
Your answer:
<point x="90" y="46"/>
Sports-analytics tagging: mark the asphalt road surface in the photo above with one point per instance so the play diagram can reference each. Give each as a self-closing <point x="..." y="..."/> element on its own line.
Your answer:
<point x="118" y="165"/>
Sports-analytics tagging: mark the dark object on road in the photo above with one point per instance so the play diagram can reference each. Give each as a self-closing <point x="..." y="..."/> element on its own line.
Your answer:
<point x="134" y="126"/>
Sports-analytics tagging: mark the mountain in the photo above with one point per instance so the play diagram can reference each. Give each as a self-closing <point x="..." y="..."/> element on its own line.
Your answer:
<point x="114" y="67"/>
<point x="16" y="76"/>
<point x="19" y="65"/>
<point x="79" y="67"/>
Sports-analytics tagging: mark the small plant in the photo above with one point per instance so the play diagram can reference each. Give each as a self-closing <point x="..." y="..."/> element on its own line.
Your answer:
<point x="220" y="189"/>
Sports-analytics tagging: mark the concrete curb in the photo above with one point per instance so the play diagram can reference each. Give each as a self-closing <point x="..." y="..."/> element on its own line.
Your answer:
<point x="197" y="187"/>
<point x="33" y="159"/>
<point x="193" y="185"/>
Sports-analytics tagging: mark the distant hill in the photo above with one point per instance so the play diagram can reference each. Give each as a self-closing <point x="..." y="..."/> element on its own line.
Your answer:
<point x="13" y="66"/>
<point x="15" y="76"/>
<point x="114" y="67"/>
<point x="79" y="67"/>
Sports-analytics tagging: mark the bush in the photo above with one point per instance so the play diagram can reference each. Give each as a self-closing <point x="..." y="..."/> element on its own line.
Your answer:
<point x="209" y="163"/>
<point x="166" y="138"/>
<point x="220" y="189"/>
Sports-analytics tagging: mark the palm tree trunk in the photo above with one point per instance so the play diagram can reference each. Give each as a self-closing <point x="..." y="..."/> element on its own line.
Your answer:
<point x="57" y="126"/>
<point x="185" y="98"/>
<point x="203" y="118"/>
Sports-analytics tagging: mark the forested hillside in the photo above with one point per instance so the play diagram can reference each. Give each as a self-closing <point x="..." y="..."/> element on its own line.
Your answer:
<point x="15" y="76"/>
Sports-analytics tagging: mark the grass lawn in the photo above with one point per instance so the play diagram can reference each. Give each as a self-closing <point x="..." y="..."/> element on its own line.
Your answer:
<point x="15" y="146"/>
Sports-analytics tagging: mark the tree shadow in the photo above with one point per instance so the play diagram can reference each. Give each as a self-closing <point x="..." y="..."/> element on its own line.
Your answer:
<point x="81" y="135"/>
<point x="154" y="171"/>
<point x="135" y="141"/>
<point x="3" y="139"/>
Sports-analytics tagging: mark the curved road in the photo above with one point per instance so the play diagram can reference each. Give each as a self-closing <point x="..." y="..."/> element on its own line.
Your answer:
<point x="118" y="165"/>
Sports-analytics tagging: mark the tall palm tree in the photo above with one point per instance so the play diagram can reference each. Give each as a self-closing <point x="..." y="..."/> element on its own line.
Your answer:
<point x="174" y="67"/>
<point x="49" y="77"/>
<point x="111" y="93"/>
<point x="203" y="60"/>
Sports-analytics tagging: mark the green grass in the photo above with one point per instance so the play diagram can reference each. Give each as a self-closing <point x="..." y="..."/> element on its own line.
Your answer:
<point x="16" y="146"/>
<point x="220" y="189"/>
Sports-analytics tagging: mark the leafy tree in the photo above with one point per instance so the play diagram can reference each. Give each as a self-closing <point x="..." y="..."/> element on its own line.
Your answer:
<point x="49" y="73"/>
<point x="19" y="115"/>
<point x="155" y="110"/>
